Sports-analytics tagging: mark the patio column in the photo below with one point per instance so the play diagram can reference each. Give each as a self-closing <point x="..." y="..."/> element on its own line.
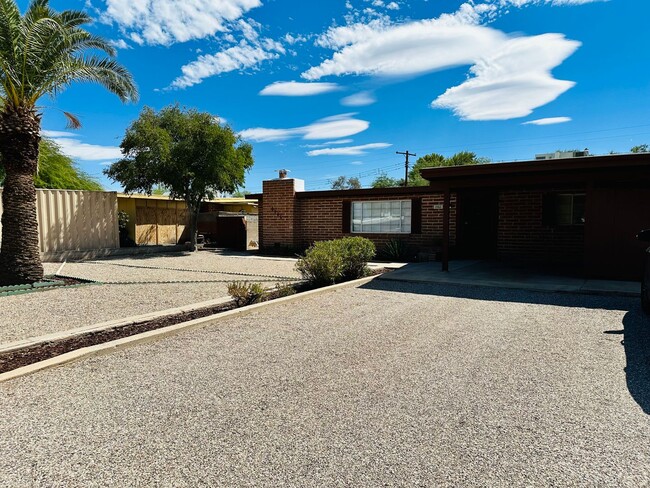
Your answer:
<point x="446" y="212"/>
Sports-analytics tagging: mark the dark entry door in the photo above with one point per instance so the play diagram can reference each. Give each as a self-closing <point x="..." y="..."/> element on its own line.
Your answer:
<point x="478" y="216"/>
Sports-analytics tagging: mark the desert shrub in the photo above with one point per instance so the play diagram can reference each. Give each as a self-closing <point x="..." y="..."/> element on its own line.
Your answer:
<point x="328" y="262"/>
<point x="245" y="293"/>
<point x="397" y="250"/>
<point x="356" y="252"/>
<point x="284" y="290"/>
<point x="322" y="264"/>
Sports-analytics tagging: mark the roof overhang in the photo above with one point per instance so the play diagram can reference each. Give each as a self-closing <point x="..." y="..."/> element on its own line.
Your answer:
<point x="590" y="169"/>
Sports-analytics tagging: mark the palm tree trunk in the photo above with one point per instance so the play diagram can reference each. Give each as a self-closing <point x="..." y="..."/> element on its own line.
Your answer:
<point x="20" y="260"/>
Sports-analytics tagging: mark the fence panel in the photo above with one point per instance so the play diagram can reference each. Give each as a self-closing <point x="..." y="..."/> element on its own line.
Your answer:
<point x="73" y="220"/>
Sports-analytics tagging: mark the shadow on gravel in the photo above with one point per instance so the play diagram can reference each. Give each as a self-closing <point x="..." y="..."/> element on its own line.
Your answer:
<point x="635" y="332"/>
<point x="562" y="299"/>
<point x="636" y="341"/>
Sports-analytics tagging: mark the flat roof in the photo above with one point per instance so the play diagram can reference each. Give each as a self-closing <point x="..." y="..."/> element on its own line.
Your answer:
<point x="581" y="169"/>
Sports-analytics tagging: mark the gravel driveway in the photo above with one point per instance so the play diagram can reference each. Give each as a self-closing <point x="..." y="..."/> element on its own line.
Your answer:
<point x="35" y="314"/>
<point x="389" y="384"/>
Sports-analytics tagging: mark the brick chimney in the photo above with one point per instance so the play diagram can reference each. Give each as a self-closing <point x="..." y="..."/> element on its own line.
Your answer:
<point x="278" y="212"/>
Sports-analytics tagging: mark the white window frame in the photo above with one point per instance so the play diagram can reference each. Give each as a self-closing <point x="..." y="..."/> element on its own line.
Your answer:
<point x="381" y="217"/>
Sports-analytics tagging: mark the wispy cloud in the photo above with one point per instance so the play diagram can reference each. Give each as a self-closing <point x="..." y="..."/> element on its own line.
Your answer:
<point x="165" y="22"/>
<point x="349" y="150"/>
<point x="298" y="89"/>
<point x="360" y="99"/>
<point x="548" y="121"/>
<point x="328" y="128"/>
<point x="236" y="58"/>
<point x="510" y="76"/>
<point x="72" y="146"/>
<point x="512" y="81"/>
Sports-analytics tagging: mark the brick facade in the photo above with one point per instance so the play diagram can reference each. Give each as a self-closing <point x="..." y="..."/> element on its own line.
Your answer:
<point x="296" y="220"/>
<point x="523" y="237"/>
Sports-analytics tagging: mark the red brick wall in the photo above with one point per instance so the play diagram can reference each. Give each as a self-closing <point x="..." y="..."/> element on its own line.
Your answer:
<point x="298" y="222"/>
<point x="277" y="213"/>
<point x="522" y="236"/>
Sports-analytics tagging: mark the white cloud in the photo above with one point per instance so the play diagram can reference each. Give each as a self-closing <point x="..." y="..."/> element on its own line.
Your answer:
<point x="348" y="151"/>
<point x="360" y="99"/>
<point x="329" y="143"/>
<point x="509" y="75"/>
<point x="414" y="48"/>
<point x="297" y="89"/>
<point x="512" y="81"/>
<point x="168" y="21"/>
<point x="71" y="146"/>
<point x="234" y="58"/>
<point x="548" y="121"/>
<point x="328" y="128"/>
<point x="120" y="44"/>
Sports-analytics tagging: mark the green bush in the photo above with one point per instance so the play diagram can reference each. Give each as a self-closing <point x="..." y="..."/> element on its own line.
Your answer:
<point x="284" y="290"/>
<point x="356" y="251"/>
<point x="322" y="264"/>
<point x="244" y="293"/>
<point x="328" y="262"/>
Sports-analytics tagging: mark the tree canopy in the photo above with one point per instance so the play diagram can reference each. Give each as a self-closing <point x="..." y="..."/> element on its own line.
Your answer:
<point x="343" y="183"/>
<point x="187" y="152"/>
<point x="428" y="161"/>
<point x="58" y="171"/>
<point x="641" y="148"/>
<point x="385" y="181"/>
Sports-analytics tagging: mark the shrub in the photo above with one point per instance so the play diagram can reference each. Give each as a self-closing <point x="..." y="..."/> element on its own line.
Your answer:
<point x="328" y="262"/>
<point x="322" y="264"/>
<point x="397" y="250"/>
<point x="356" y="251"/>
<point x="284" y="290"/>
<point x="244" y="293"/>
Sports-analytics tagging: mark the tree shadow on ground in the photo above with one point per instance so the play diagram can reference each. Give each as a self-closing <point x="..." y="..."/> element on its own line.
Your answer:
<point x="636" y="341"/>
<point x="635" y="332"/>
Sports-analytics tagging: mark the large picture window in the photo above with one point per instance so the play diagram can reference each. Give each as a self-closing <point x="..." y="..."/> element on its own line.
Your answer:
<point x="383" y="217"/>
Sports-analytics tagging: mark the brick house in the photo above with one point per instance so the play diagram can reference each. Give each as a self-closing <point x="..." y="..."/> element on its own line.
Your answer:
<point x="577" y="214"/>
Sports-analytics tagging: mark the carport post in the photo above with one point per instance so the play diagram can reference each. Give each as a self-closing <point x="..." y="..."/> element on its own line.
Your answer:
<point x="446" y="212"/>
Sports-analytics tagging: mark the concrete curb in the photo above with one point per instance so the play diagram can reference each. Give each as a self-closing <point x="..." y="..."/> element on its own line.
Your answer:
<point x="134" y="319"/>
<point x="119" y="344"/>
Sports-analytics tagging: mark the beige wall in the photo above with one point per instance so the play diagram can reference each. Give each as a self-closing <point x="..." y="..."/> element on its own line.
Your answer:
<point x="70" y="220"/>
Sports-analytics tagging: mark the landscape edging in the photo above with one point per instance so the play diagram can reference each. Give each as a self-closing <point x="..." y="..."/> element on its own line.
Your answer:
<point x="152" y="335"/>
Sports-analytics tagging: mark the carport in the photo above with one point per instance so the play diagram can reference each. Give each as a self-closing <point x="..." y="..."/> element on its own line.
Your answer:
<point x="579" y="215"/>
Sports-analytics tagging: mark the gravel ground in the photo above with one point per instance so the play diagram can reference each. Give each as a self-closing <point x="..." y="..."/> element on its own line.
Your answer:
<point x="385" y="385"/>
<point x="34" y="314"/>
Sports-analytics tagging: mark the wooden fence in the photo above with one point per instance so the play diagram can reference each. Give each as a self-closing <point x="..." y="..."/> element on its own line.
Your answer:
<point x="72" y="220"/>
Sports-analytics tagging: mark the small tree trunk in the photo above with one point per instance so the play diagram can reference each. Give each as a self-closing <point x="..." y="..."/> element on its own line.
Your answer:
<point x="194" y="225"/>
<point x="20" y="260"/>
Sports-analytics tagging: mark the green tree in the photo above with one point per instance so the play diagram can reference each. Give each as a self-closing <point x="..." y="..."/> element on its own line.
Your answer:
<point x="41" y="53"/>
<point x="240" y="194"/>
<point x="641" y="148"/>
<point x="343" y="183"/>
<point x="385" y="181"/>
<point x="436" y="160"/>
<point x="56" y="170"/>
<point x="187" y="152"/>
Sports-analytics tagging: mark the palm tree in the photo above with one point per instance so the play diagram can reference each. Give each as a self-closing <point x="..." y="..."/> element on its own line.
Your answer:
<point x="41" y="53"/>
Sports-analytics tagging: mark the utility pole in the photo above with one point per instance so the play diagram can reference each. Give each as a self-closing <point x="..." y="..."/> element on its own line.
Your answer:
<point x="406" y="165"/>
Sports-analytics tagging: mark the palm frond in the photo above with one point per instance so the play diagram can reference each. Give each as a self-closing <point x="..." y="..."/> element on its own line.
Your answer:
<point x="45" y="53"/>
<point x="73" y="120"/>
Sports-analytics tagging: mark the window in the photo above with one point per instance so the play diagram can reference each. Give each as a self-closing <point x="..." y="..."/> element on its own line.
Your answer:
<point x="570" y="209"/>
<point x="385" y="217"/>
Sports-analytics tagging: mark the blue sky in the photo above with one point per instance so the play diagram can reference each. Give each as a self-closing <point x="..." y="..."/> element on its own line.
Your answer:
<point x="337" y="87"/>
